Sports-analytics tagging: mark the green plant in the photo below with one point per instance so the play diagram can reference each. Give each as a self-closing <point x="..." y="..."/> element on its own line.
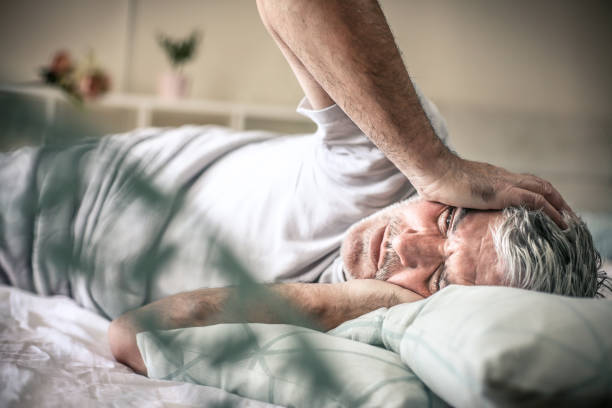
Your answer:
<point x="179" y="51"/>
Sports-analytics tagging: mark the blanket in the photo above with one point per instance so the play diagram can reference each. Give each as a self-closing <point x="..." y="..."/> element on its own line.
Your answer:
<point x="100" y="220"/>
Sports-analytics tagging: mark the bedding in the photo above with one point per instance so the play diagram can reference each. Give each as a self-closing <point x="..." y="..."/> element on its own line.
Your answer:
<point x="471" y="346"/>
<point x="498" y="346"/>
<point x="278" y="364"/>
<point x="54" y="353"/>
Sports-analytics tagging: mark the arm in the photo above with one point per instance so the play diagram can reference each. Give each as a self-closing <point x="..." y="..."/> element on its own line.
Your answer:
<point x="347" y="49"/>
<point x="323" y="305"/>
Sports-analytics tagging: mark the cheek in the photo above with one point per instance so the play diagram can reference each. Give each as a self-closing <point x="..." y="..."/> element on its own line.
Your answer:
<point x="461" y="259"/>
<point x="352" y="248"/>
<point x="473" y="259"/>
<point x="461" y="267"/>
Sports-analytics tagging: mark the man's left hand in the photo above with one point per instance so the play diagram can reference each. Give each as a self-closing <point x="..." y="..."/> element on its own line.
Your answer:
<point x="471" y="184"/>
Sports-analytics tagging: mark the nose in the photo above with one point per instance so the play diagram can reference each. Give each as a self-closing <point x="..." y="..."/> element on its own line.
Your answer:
<point x="418" y="249"/>
<point x="420" y="254"/>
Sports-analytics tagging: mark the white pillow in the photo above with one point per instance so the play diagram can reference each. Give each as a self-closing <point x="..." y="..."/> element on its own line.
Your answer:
<point x="272" y="363"/>
<point x="497" y="346"/>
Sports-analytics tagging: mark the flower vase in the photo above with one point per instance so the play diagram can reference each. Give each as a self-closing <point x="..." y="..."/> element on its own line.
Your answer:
<point x="173" y="85"/>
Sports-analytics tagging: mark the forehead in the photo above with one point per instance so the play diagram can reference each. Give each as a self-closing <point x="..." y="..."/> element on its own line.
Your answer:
<point x="470" y="251"/>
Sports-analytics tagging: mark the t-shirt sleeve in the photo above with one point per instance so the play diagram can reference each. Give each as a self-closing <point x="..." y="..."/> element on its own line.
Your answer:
<point x="349" y="162"/>
<point x="349" y="158"/>
<point x="338" y="129"/>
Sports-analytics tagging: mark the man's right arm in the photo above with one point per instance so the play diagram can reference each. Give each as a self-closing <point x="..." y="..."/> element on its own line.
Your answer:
<point x="347" y="48"/>
<point x="321" y="306"/>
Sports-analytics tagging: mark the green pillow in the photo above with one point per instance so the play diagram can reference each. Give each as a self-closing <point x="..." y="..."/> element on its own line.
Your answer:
<point x="496" y="346"/>
<point x="285" y="365"/>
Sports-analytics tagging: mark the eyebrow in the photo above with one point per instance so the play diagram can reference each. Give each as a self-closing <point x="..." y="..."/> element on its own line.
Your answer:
<point x="460" y="216"/>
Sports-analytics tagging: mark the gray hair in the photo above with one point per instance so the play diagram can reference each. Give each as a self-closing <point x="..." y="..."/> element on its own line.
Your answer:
<point x="536" y="254"/>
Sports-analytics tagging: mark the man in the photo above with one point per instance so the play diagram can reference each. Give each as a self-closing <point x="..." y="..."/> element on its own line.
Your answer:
<point x="418" y="245"/>
<point x="284" y="204"/>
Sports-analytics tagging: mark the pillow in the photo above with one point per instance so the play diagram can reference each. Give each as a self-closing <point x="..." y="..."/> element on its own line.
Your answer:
<point x="269" y="363"/>
<point x="600" y="226"/>
<point x="499" y="346"/>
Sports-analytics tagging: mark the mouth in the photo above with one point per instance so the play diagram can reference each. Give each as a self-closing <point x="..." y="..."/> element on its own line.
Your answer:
<point x="376" y="242"/>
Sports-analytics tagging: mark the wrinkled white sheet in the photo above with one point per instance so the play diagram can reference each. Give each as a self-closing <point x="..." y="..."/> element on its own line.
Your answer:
<point x="55" y="353"/>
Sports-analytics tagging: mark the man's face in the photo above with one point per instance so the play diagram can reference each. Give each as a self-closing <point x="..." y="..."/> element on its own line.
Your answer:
<point x="424" y="246"/>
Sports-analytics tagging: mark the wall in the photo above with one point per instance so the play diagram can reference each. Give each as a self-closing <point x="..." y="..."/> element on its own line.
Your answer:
<point x="523" y="84"/>
<point x="31" y="31"/>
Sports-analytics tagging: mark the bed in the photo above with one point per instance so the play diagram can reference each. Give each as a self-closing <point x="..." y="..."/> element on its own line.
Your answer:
<point x="445" y="350"/>
<point x="462" y="347"/>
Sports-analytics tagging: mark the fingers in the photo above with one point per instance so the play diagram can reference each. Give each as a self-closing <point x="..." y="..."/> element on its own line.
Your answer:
<point x="492" y="187"/>
<point x="406" y="296"/>
<point x="535" y="201"/>
<point x="546" y="189"/>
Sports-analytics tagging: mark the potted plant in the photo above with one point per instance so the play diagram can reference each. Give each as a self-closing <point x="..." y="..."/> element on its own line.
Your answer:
<point x="174" y="84"/>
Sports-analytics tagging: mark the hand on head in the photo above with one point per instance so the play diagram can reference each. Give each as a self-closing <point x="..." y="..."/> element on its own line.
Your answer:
<point x="464" y="183"/>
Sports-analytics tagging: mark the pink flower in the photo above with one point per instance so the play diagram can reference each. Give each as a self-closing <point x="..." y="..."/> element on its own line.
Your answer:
<point x="61" y="64"/>
<point x="94" y="84"/>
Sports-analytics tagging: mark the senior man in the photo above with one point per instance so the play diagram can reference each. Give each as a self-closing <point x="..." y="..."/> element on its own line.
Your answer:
<point x="415" y="244"/>
<point x="401" y="253"/>
<point x="285" y="203"/>
<point x="345" y="59"/>
<point x="418" y="245"/>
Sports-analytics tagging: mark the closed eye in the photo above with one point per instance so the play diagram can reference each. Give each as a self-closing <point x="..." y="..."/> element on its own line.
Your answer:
<point x="445" y="220"/>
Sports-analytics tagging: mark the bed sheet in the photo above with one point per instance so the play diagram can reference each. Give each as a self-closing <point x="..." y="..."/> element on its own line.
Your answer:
<point x="55" y="353"/>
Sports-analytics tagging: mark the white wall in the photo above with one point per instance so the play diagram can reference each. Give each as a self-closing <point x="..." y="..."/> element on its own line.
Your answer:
<point x="524" y="84"/>
<point x="543" y="55"/>
<point x="538" y="55"/>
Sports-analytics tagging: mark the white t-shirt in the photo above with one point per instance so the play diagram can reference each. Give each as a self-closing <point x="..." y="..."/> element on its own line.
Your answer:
<point x="281" y="203"/>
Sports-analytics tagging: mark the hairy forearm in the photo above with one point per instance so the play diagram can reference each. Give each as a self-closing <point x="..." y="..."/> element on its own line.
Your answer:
<point x="350" y="51"/>
<point x="321" y="306"/>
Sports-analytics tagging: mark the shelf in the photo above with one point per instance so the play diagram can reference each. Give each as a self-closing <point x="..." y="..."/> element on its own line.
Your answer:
<point x="123" y="112"/>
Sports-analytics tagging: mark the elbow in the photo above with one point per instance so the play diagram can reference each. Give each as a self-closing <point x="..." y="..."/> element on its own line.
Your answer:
<point x="122" y="341"/>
